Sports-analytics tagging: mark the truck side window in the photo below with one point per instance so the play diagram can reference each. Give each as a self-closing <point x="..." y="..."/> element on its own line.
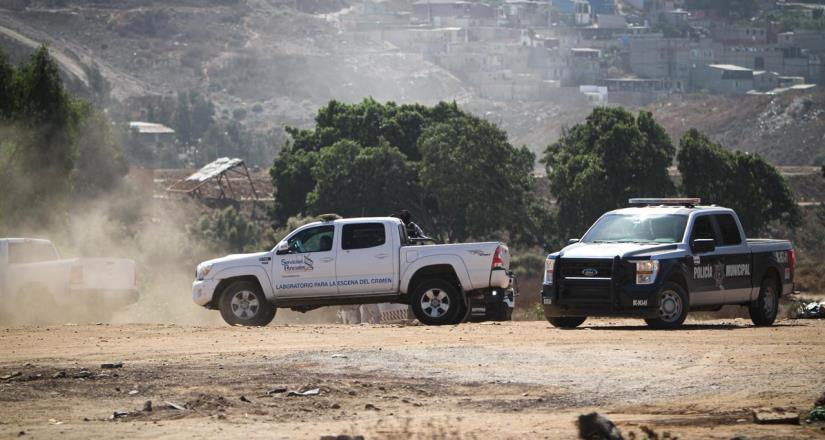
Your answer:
<point x="363" y="236"/>
<point x="318" y="239"/>
<point x="703" y="228"/>
<point x="24" y="253"/>
<point x="730" y="232"/>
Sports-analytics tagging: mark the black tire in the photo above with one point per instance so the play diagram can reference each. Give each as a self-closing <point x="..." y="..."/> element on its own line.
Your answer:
<point x="437" y="302"/>
<point x="764" y="309"/>
<point x="673" y="308"/>
<point x="244" y="303"/>
<point x="499" y="312"/>
<point x="566" y="321"/>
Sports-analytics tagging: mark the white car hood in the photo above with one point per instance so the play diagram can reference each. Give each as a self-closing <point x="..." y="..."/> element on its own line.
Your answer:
<point x="236" y="260"/>
<point x="605" y="250"/>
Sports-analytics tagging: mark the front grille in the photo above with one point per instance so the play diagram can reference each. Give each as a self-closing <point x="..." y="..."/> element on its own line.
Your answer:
<point x="584" y="268"/>
<point x="586" y="295"/>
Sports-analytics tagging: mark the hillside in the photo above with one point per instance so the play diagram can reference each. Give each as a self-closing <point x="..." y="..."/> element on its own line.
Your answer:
<point x="277" y="64"/>
<point x="787" y="129"/>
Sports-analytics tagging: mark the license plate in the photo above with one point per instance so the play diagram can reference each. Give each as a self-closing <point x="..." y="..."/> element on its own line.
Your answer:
<point x="547" y="300"/>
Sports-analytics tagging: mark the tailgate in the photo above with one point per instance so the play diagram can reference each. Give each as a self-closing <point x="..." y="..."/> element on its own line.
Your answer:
<point x="108" y="273"/>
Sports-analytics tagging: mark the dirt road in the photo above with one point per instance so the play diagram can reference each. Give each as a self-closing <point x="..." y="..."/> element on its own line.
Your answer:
<point x="490" y="380"/>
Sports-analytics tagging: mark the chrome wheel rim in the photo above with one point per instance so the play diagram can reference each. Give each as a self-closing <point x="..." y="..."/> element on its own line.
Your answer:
<point x="670" y="306"/>
<point x="245" y="304"/>
<point x="435" y="303"/>
<point x="769" y="302"/>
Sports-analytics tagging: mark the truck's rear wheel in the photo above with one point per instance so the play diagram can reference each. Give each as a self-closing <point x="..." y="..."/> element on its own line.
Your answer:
<point x="764" y="309"/>
<point x="437" y="302"/>
<point x="566" y="321"/>
<point x="243" y="303"/>
<point x="673" y="307"/>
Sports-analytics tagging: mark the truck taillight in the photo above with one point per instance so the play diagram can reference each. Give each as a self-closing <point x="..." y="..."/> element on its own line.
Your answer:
<point x="498" y="263"/>
<point x="76" y="275"/>
<point x="791" y="260"/>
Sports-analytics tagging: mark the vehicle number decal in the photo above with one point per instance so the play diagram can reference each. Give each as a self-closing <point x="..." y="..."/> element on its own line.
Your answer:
<point x="640" y="302"/>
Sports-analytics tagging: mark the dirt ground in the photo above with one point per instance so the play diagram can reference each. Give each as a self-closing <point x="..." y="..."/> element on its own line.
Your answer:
<point x="477" y="381"/>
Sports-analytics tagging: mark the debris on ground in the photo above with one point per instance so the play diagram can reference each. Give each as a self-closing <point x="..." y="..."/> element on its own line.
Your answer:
<point x="776" y="416"/>
<point x="11" y="375"/>
<point x="174" y="405"/>
<point x="147" y="406"/>
<point x="118" y="414"/>
<point x="808" y="309"/>
<point x="817" y="413"/>
<point x="276" y="390"/>
<point x="83" y="374"/>
<point x="111" y="365"/>
<point x="59" y="375"/>
<point x="595" y="426"/>
<point x="244" y="399"/>
<point x="371" y="407"/>
<point x="311" y="392"/>
<point x="340" y="356"/>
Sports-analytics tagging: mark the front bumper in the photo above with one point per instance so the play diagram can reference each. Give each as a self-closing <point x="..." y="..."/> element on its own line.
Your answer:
<point x="203" y="290"/>
<point x="600" y="300"/>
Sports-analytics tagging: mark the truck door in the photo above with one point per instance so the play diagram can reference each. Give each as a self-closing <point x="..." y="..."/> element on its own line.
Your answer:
<point x="708" y="268"/>
<point x="367" y="264"/>
<point x="735" y="255"/>
<point x="308" y="267"/>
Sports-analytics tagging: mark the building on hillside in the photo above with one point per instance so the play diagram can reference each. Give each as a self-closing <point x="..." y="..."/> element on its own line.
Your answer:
<point x="726" y="79"/>
<point x="452" y="13"/>
<point x="652" y="56"/>
<point x="524" y="13"/>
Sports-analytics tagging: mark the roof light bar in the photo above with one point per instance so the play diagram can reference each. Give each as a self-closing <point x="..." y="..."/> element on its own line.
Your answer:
<point x="685" y="201"/>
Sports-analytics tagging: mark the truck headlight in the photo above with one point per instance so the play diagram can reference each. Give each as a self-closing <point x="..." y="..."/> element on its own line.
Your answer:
<point x="202" y="271"/>
<point x="646" y="271"/>
<point x="549" y="268"/>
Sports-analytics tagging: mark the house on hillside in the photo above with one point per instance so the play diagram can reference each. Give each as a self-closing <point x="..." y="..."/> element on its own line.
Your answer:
<point x="726" y="79"/>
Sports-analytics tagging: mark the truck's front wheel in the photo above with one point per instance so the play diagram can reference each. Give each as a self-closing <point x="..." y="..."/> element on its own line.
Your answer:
<point x="764" y="309"/>
<point x="437" y="302"/>
<point x="673" y="307"/>
<point x="243" y="303"/>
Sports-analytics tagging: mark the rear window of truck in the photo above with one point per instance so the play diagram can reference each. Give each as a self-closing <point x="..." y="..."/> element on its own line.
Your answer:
<point x="363" y="236"/>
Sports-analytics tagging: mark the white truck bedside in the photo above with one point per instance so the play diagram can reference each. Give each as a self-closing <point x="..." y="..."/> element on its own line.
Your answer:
<point x="358" y="261"/>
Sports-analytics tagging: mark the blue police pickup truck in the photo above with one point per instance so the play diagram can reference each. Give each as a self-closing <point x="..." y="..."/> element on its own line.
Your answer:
<point x="661" y="258"/>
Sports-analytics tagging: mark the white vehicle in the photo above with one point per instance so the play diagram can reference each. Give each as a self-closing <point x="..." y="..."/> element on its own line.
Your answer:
<point x="358" y="261"/>
<point x="35" y="282"/>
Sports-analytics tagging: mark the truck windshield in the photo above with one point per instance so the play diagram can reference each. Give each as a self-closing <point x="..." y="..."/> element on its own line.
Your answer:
<point x="637" y="228"/>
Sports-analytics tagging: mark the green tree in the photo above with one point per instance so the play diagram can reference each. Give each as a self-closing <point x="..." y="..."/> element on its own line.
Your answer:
<point x="54" y="146"/>
<point x="439" y="162"/>
<point x="597" y="165"/>
<point x="477" y="182"/>
<point x="743" y="182"/>
<point x="354" y="181"/>
<point x="227" y="230"/>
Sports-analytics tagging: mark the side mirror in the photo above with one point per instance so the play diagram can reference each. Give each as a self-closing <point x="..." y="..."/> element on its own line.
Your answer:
<point x="282" y="248"/>
<point x="702" y="245"/>
<point x="573" y="241"/>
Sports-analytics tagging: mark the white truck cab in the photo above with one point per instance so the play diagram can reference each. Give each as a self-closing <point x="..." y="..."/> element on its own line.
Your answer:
<point x="358" y="261"/>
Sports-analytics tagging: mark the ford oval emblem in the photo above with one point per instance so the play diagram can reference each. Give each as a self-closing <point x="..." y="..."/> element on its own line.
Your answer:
<point x="590" y="272"/>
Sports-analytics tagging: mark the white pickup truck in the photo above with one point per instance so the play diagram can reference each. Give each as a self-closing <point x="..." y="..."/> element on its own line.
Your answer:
<point x="38" y="286"/>
<point x="358" y="261"/>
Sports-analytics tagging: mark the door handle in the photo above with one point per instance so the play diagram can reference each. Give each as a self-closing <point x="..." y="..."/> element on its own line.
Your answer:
<point x="382" y="255"/>
<point x="326" y="259"/>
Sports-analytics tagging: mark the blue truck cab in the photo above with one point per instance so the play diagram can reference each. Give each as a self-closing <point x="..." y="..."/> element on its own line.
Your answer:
<point x="662" y="258"/>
